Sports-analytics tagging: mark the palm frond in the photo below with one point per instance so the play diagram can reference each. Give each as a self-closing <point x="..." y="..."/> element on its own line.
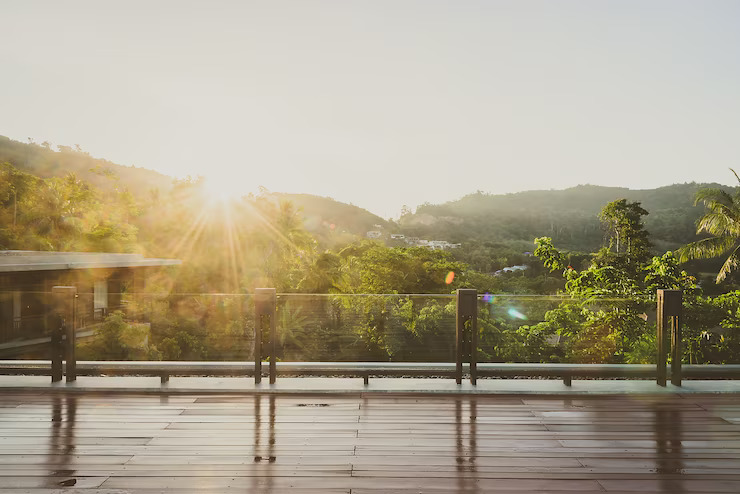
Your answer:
<point x="718" y="224"/>
<point x="706" y="248"/>
<point x="731" y="212"/>
<point x="734" y="173"/>
<point x="713" y="195"/>
<point x="730" y="264"/>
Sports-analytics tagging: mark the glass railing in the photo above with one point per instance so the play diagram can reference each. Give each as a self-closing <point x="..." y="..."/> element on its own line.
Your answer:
<point x="132" y="326"/>
<point x="366" y="328"/>
<point x="533" y="328"/>
<point x="179" y="327"/>
<point x="24" y="324"/>
<point x="351" y="328"/>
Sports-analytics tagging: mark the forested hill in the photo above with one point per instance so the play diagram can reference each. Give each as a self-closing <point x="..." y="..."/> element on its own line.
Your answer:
<point x="322" y="213"/>
<point x="43" y="161"/>
<point x="330" y="220"/>
<point x="568" y="216"/>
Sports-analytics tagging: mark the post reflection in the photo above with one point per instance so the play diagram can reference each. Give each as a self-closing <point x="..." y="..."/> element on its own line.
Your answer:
<point x="264" y="453"/>
<point x="669" y="451"/>
<point x="467" y="480"/>
<point x="62" y="439"/>
<point x="257" y="427"/>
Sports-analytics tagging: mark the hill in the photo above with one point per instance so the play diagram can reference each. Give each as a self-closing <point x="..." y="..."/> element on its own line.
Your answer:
<point x="42" y="161"/>
<point x="568" y="216"/>
<point x="335" y="222"/>
<point x="331" y="221"/>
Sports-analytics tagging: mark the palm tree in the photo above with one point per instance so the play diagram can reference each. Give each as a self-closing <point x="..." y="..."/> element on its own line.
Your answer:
<point x="722" y="221"/>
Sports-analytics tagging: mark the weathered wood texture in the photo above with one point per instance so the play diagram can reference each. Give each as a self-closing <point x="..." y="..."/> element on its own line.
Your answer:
<point x="367" y="444"/>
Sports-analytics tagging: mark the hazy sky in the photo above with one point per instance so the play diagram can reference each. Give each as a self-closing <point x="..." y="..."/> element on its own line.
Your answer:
<point x="383" y="102"/>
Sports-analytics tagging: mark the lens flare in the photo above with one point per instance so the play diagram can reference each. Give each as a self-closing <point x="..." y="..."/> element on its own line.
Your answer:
<point x="516" y="314"/>
<point x="450" y="277"/>
<point x="488" y="298"/>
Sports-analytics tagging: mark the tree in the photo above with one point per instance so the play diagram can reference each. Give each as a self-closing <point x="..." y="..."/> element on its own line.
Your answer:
<point x="58" y="213"/>
<point x="628" y="238"/>
<point x="370" y="267"/>
<point x="722" y="222"/>
<point x="15" y="186"/>
<point x="118" y="339"/>
<point x="603" y="319"/>
<point x="321" y="276"/>
<point x="286" y="247"/>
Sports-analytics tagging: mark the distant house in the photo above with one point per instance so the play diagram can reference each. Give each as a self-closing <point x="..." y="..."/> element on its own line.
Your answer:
<point x="374" y="234"/>
<point x="511" y="269"/>
<point x="397" y="236"/>
<point x="441" y="245"/>
<point x="27" y="277"/>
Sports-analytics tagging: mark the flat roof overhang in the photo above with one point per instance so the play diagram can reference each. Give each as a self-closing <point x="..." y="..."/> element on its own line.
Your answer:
<point x="14" y="261"/>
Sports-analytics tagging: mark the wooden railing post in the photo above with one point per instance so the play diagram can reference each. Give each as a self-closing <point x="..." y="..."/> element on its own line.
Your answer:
<point x="669" y="319"/>
<point x="466" y="333"/>
<point x="65" y="305"/>
<point x="265" y="303"/>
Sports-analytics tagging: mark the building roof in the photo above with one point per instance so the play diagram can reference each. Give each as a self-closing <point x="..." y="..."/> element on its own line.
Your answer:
<point x="31" y="260"/>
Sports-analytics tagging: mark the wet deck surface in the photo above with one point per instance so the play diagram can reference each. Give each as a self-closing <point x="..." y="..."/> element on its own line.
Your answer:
<point x="338" y="386"/>
<point x="55" y="442"/>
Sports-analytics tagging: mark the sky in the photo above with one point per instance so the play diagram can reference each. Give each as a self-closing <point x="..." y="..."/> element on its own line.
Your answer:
<point x="383" y="103"/>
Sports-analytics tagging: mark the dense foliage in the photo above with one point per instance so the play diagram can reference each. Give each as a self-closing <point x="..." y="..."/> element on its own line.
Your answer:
<point x="722" y="223"/>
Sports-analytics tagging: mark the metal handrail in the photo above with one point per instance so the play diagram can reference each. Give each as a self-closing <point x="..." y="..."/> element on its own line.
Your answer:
<point x="165" y="369"/>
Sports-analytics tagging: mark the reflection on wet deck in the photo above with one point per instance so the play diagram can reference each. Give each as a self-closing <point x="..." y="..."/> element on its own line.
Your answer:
<point x="368" y="444"/>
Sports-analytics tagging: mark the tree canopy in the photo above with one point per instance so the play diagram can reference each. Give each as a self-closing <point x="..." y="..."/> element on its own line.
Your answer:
<point x="722" y="223"/>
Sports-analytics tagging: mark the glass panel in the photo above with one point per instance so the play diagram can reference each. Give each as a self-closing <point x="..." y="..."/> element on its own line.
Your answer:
<point x="177" y="326"/>
<point x="366" y="328"/>
<point x="518" y="328"/>
<point x="23" y="324"/>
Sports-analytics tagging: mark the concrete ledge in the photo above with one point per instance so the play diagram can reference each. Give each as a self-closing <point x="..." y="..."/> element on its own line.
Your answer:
<point x="446" y="370"/>
<point x="339" y="386"/>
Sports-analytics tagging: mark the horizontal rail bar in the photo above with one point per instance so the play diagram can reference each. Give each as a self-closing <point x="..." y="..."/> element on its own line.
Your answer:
<point x="41" y="367"/>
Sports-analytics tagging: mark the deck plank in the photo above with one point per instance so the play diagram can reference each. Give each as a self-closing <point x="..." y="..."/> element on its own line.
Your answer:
<point x="367" y="444"/>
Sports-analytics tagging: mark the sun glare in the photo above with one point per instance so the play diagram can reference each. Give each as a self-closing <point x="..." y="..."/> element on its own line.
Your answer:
<point x="222" y="189"/>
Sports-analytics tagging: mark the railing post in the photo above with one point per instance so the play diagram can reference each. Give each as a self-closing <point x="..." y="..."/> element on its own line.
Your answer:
<point x="265" y="303"/>
<point x="466" y="333"/>
<point x="65" y="304"/>
<point x="668" y="318"/>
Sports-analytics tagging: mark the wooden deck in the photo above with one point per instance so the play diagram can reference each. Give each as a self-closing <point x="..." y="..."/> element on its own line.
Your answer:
<point x="118" y="443"/>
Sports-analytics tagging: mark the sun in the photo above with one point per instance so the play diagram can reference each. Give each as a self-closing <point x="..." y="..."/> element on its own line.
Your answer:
<point x="223" y="188"/>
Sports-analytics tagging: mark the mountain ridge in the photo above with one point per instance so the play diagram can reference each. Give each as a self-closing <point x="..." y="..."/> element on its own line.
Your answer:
<point x="568" y="215"/>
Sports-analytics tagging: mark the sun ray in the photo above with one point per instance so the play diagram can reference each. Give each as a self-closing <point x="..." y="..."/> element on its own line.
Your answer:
<point x="278" y="234"/>
<point x="196" y="225"/>
<point x="228" y="229"/>
<point x="193" y="238"/>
